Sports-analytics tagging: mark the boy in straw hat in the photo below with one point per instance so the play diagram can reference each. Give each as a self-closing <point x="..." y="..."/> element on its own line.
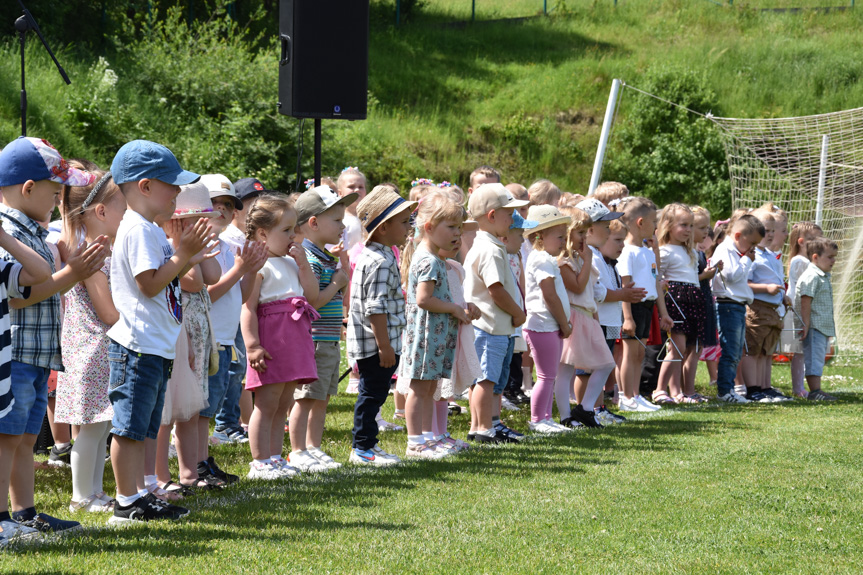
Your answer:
<point x="377" y="315"/>
<point x="490" y="285"/>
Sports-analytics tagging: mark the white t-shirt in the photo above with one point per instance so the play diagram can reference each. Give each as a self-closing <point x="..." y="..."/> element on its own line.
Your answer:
<point x="281" y="280"/>
<point x="639" y="263"/>
<point x="795" y="270"/>
<point x="540" y="266"/>
<point x="610" y="313"/>
<point x="678" y="265"/>
<point x="587" y="298"/>
<point x="353" y="231"/>
<point x="233" y="237"/>
<point x="146" y="325"/>
<point x="9" y="273"/>
<point x="225" y="313"/>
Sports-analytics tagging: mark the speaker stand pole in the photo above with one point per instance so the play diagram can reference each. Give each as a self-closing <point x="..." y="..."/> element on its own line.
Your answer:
<point x="317" y="152"/>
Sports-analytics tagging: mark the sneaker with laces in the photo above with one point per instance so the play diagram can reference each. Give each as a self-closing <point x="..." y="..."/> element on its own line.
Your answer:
<point x="585" y="417"/>
<point x="323" y="458"/>
<point x="422" y="451"/>
<point x="45" y="523"/>
<point x="217" y="472"/>
<point x="305" y="462"/>
<point x="507" y="404"/>
<point x="545" y="427"/>
<point x="757" y="396"/>
<point x="629" y="404"/>
<point x="175" y="509"/>
<point x="644" y="403"/>
<point x="221" y="436"/>
<point x="821" y="395"/>
<point x="733" y="397"/>
<point x="238" y="435"/>
<point x="147" y="508"/>
<point x="367" y="457"/>
<point x="775" y="394"/>
<point x="12" y="532"/>
<point x="60" y="457"/>
<point x="266" y="471"/>
<point x="612" y="417"/>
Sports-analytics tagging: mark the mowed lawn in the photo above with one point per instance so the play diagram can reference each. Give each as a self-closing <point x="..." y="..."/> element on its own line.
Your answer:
<point x="718" y="489"/>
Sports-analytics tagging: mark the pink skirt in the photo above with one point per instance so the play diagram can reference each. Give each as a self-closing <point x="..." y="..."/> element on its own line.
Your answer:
<point x="466" y="368"/>
<point x="711" y="353"/>
<point x="284" y="328"/>
<point x="586" y="348"/>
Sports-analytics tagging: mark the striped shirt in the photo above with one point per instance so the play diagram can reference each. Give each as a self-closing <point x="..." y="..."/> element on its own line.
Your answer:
<point x="9" y="273"/>
<point x="325" y="264"/>
<point x="35" y="328"/>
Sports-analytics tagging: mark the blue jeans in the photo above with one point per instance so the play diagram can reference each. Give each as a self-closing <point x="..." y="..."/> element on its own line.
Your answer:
<point x="29" y="387"/>
<point x="732" y="330"/>
<point x="374" y="387"/>
<point x="136" y="388"/>
<point x="228" y="415"/>
<point x="495" y="355"/>
<point x="217" y="385"/>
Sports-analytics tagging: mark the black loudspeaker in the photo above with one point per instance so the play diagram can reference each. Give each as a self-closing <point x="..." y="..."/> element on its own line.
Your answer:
<point x="324" y="62"/>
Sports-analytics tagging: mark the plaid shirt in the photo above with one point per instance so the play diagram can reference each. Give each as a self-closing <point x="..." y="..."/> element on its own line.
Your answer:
<point x="815" y="283"/>
<point x="375" y="289"/>
<point x="35" y="328"/>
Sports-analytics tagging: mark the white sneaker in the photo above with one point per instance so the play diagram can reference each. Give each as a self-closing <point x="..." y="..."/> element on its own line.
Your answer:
<point x="263" y="471"/>
<point x="305" y="462"/>
<point x="740" y="389"/>
<point x="644" y="403"/>
<point x="628" y="404"/>
<point x="319" y="454"/>
<point x="562" y="428"/>
<point x="507" y="404"/>
<point x="381" y="454"/>
<point x="282" y="466"/>
<point x="544" y="427"/>
<point x="733" y="397"/>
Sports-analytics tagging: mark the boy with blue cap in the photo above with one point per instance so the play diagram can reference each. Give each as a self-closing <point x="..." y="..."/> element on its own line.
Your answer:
<point x="32" y="174"/>
<point x="145" y="285"/>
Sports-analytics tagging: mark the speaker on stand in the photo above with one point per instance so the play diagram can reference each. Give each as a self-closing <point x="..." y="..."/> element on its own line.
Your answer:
<point x="324" y="43"/>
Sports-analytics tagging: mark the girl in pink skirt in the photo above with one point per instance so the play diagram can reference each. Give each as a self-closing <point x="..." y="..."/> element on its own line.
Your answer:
<point x="276" y="322"/>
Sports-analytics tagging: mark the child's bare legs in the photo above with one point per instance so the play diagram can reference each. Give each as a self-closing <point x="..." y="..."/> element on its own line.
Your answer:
<point x="814" y="382"/>
<point x="690" y="368"/>
<point x="482" y="398"/>
<point x="277" y="432"/>
<point x="316" y="420"/>
<point x="149" y="462"/>
<point x="630" y="367"/>
<point x="246" y="406"/>
<point x="8" y="450"/>
<point x="527" y="371"/>
<point x="440" y="423"/>
<point x="579" y="386"/>
<point x="417" y="414"/>
<point x="713" y="369"/>
<point x="127" y="460"/>
<point x="748" y="371"/>
<point x="471" y="402"/>
<point x="400" y="401"/>
<point x="299" y="427"/>
<point x="203" y="438"/>
<point x="671" y="372"/>
<point x="61" y="432"/>
<point x="797" y="371"/>
<point x="267" y="399"/>
<point x="163" y="472"/>
<point x="766" y="370"/>
<point x="186" y="442"/>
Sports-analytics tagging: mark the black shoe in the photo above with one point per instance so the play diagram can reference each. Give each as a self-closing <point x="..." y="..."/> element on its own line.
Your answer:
<point x="60" y="457"/>
<point x="47" y="524"/>
<point x="216" y="471"/>
<point x="147" y="508"/>
<point x="572" y="423"/>
<point x="454" y="408"/>
<point x="507" y="435"/>
<point x="617" y="418"/>
<point x="521" y="399"/>
<point x="775" y="394"/>
<point x="584" y="417"/>
<point x="482" y="438"/>
<point x="755" y="394"/>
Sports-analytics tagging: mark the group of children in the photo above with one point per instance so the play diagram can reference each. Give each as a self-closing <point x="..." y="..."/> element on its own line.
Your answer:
<point x="163" y="291"/>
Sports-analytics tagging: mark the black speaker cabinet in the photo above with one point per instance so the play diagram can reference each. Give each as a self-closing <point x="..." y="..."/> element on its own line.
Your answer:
<point x="324" y="62"/>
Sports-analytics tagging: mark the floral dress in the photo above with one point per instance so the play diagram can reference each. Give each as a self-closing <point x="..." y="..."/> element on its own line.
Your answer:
<point x="188" y="387"/>
<point x="429" y="338"/>
<point x="82" y="390"/>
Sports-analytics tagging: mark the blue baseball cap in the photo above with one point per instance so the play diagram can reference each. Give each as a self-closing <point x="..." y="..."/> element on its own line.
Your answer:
<point x="141" y="159"/>
<point x="35" y="159"/>
<point x="519" y="223"/>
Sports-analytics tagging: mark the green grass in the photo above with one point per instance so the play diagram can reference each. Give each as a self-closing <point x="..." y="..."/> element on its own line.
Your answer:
<point x="719" y="489"/>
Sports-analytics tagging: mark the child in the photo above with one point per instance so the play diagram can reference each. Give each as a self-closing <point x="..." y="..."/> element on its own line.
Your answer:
<point x="814" y="299"/>
<point x="637" y="264"/>
<point x="352" y="183"/>
<point x="702" y="233"/>
<point x="145" y="289"/>
<point x="31" y="173"/>
<point x="377" y="316"/>
<point x="544" y="193"/>
<point x="801" y="234"/>
<point x="238" y="267"/>
<point x="277" y="317"/>
<point x="521" y="367"/>
<point x="432" y="320"/>
<point x="481" y="175"/>
<point x="610" y="193"/>
<point x="587" y="349"/>
<point x="547" y="319"/>
<point x="733" y="294"/>
<point x="764" y="317"/>
<point x="490" y="285"/>
<point x="82" y="391"/>
<point x="232" y="420"/>
<point x="684" y="300"/>
<point x="610" y="292"/>
<point x="320" y="214"/>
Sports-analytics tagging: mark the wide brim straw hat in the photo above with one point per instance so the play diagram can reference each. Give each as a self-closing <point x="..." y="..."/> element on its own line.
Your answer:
<point x="379" y="206"/>
<point x="546" y="217"/>
<point x="193" y="201"/>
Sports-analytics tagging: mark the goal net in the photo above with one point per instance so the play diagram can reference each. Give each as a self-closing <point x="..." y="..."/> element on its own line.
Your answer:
<point x="812" y="167"/>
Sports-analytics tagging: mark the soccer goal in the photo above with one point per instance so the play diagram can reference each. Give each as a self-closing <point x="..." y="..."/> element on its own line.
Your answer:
<point x="812" y="167"/>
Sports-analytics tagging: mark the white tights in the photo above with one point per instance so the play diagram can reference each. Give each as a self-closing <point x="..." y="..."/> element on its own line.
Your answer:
<point x="88" y="460"/>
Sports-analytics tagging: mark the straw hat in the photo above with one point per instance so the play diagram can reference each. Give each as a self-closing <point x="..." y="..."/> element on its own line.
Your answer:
<point x="546" y="217"/>
<point x="194" y="201"/>
<point x="380" y="205"/>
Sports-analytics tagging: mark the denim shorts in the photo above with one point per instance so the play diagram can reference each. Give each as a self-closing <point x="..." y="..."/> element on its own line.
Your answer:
<point x="29" y="387"/>
<point x="217" y="385"/>
<point x="495" y="355"/>
<point x="815" y="352"/>
<point x="136" y="388"/>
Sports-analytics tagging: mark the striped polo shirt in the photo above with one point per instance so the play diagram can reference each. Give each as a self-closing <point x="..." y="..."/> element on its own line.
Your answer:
<point x="325" y="264"/>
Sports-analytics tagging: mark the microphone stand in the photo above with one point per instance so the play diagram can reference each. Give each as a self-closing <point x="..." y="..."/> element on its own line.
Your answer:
<point x="22" y="25"/>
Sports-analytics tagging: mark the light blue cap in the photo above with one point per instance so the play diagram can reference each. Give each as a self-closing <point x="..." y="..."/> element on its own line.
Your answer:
<point x="141" y="159"/>
<point x="519" y="223"/>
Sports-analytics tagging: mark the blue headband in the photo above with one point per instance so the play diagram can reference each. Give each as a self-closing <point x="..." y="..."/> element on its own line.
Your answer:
<point x="374" y="223"/>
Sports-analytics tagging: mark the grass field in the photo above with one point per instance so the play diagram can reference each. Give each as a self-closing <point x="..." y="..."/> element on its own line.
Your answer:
<point x="748" y="489"/>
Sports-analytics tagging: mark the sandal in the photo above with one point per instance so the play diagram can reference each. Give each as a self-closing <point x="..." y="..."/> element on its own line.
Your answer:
<point x="660" y="396"/>
<point x="162" y="494"/>
<point x="681" y="399"/>
<point x="182" y="490"/>
<point x="700" y="398"/>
